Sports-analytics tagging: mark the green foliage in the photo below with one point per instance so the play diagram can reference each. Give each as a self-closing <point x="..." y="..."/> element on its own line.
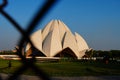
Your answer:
<point x="115" y="53"/>
<point x="89" y="54"/>
<point x="100" y="53"/>
<point x="9" y="52"/>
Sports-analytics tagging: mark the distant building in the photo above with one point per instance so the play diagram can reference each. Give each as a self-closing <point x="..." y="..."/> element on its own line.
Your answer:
<point x="56" y="40"/>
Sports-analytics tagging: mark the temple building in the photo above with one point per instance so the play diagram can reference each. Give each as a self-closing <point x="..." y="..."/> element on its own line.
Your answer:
<point x="56" y="40"/>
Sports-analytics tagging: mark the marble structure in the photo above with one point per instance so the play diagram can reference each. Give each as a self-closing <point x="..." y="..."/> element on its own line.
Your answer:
<point x="56" y="40"/>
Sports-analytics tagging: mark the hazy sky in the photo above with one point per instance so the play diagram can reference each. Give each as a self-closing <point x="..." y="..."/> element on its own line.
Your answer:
<point x="97" y="21"/>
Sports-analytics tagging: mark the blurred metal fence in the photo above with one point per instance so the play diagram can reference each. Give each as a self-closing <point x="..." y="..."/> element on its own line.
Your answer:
<point x="27" y="63"/>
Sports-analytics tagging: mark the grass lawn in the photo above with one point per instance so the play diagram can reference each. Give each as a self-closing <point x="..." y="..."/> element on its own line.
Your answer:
<point x="64" y="68"/>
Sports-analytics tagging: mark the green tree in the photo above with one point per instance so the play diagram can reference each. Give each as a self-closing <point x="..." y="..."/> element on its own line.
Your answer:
<point x="89" y="54"/>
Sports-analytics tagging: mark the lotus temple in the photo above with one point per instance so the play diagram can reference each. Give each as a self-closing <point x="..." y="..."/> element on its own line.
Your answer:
<point x="56" y="40"/>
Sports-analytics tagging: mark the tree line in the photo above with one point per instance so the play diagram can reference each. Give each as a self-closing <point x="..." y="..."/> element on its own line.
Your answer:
<point x="100" y="53"/>
<point x="91" y="53"/>
<point x="7" y="52"/>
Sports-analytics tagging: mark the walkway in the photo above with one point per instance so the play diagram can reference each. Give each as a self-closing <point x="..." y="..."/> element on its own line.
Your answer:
<point x="25" y="77"/>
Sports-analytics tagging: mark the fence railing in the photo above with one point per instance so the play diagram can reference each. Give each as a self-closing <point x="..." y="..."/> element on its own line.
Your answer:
<point x="27" y="63"/>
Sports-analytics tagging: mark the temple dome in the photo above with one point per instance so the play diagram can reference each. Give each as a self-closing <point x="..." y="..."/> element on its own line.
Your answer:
<point x="56" y="38"/>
